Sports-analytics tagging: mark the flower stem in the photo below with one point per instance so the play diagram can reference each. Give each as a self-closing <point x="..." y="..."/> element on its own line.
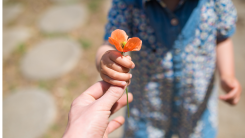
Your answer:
<point x="126" y="93"/>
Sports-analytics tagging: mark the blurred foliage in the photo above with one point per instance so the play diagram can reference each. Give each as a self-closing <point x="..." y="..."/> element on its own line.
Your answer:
<point x="94" y="5"/>
<point x="45" y="84"/>
<point x="85" y="43"/>
<point x="21" y="49"/>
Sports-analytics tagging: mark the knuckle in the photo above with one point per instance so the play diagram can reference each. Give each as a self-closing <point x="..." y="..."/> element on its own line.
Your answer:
<point x="102" y="70"/>
<point x="113" y="91"/>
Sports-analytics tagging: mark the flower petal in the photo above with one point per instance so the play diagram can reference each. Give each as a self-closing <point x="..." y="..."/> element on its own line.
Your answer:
<point x="116" y="44"/>
<point x="119" y="35"/>
<point x="133" y="44"/>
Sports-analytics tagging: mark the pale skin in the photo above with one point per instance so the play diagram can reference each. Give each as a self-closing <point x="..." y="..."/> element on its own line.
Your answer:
<point x="112" y="66"/>
<point x="225" y="65"/>
<point x="90" y="112"/>
<point x="114" y="69"/>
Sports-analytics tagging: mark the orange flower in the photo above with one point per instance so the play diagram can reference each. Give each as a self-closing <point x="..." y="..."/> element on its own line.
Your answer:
<point x="120" y="40"/>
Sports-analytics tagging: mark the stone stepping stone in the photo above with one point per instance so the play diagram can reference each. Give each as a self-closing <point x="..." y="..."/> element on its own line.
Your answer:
<point x="28" y="113"/>
<point x="63" y="18"/>
<point x="64" y="1"/>
<point x="11" y="12"/>
<point x="51" y="58"/>
<point x="13" y="37"/>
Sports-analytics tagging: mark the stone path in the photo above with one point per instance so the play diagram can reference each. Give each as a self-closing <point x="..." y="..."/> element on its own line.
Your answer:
<point x="72" y="17"/>
<point x="11" y="12"/>
<point x="65" y="1"/>
<point x="50" y="59"/>
<point x="39" y="112"/>
<point x="13" y="37"/>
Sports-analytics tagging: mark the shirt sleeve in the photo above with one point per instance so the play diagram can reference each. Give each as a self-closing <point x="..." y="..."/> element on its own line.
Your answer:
<point x="226" y="19"/>
<point x="119" y="17"/>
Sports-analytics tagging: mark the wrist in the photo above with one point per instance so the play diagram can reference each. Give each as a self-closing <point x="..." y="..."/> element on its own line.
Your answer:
<point x="227" y="77"/>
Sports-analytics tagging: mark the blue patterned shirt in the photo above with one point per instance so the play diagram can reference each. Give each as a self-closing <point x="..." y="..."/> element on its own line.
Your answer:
<point x="173" y="81"/>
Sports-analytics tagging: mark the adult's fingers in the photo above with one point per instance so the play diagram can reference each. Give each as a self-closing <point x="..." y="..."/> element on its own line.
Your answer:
<point x="115" y="124"/>
<point x="121" y="60"/>
<point x="113" y="94"/>
<point x="112" y="81"/>
<point x="92" y="93"/>
<point x="121" y="102"/>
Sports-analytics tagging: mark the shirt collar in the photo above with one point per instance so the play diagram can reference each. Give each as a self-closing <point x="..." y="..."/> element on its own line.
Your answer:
<point x="161" y="2"/>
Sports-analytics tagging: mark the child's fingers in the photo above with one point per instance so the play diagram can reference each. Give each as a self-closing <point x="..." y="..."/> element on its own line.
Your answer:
<point x="112" y="81"/>
<point x="238" y="94"/>
<point x="117" y="67"/>
<point x="237" y="99"/>
<point x="230" y="95"/>
<point x="128" y="57"/>
<point x="116" y="75"/>
<point x="121" y="60"/>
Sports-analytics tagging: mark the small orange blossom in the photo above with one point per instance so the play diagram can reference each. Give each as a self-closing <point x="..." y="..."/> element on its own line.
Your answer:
<point x="120" y="40"/>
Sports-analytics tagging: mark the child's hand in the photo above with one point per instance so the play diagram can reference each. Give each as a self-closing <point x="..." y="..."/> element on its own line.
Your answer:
<point x="233" y="89"/>
<point x="114" y="68"/>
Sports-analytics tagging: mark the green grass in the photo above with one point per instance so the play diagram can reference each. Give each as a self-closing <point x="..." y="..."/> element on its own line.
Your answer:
<point x="85" y="43"/>
<point x="45" y="85"/>
<point x="94" y="5"/>
<point x="21" y="48"/>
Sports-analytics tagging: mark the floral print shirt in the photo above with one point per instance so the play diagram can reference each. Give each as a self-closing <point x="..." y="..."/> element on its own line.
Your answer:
<point x="173" y="81"/>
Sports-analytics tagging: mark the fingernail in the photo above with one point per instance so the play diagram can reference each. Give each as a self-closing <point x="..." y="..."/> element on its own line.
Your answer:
<point x="130" y="75"/>
<point x="133" y="66"/>
<point x="124" y="83"/>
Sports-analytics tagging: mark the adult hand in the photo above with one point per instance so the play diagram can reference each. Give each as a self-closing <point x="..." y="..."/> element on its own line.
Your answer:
<point x="90" y="112"/>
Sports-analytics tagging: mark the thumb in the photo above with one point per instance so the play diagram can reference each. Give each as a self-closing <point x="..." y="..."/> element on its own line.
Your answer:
<point x="112" y="95"/>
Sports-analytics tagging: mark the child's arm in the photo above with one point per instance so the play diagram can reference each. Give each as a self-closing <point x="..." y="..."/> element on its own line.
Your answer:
<point x="112" y="66"/>
<point x="225" y="64"/>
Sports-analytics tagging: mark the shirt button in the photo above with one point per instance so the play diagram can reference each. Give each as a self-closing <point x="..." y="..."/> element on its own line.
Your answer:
<point x="174" y="22"/>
